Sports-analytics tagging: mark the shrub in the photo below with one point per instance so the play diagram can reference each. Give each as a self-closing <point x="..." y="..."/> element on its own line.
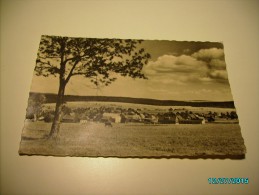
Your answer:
<point x="48" y="116"/>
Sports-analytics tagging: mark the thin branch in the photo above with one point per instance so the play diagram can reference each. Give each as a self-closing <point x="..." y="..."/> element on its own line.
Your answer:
<point x="71" y="71"/>
<point x="49" y="57"/>
<point x="76" y="57"/>
<point x="45" y="63"/>
<point x="70" y="59"/>
<point x="81" y="73"/>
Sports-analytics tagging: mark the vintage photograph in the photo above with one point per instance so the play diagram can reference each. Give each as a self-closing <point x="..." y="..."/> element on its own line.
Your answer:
<point x="130" y="98"/>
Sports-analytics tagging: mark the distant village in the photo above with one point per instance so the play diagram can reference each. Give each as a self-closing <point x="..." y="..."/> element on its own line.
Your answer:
<point x="109" y="115"/>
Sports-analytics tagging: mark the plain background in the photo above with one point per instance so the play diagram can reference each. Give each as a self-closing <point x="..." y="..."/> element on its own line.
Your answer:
<point x="234" y="22"/>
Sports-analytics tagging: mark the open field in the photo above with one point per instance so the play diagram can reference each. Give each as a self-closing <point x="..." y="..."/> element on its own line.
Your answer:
<point x="135" y="140"/>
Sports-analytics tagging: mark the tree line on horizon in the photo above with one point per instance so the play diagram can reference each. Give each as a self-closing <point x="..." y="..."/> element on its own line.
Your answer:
<point x="51" y="98"/>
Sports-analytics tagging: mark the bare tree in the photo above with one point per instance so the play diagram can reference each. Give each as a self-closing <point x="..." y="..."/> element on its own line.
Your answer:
<point x="92" y="58"/>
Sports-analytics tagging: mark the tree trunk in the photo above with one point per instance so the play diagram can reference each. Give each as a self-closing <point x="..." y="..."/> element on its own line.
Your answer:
<point x="54" y="132"/>
<point x="34" y="117"/>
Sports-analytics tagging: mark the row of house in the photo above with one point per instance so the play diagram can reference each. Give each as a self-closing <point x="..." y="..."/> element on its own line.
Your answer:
<point x="131" y="115"/>
<point x="165" y="118"/>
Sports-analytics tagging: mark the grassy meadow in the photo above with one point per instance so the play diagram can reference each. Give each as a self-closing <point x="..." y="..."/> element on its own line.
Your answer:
<point x="134" y="140"/>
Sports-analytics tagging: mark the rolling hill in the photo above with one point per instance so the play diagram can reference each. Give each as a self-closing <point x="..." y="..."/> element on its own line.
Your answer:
<point x="51" y="98"/>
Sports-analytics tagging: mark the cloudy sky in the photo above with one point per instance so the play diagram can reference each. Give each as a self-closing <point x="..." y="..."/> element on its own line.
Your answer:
<point x="176" y="71"/>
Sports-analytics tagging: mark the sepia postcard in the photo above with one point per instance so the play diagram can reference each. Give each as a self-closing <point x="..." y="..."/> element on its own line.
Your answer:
<point x="131" y="98"/>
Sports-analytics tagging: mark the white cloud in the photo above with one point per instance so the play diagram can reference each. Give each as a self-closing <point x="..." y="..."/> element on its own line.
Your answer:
<point x="183" y="70"/>
<point x="215" y="61"/>
<point x="212" y="53"/>
<point x="217" y="64"/>
<point x="219" y="74"/>
<point x="206" y="79"/>
<point x="169" y="64"/>
<point x="193" y="76"/>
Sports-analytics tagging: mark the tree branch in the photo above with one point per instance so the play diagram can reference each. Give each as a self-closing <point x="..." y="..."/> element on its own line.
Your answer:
<point x="71" y="71"/>
<point x="46" y="63"/>
<point x="52" y="57"/>
<point x="76" y="57"/>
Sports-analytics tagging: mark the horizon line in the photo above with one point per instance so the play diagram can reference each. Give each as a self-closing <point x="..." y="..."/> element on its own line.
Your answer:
<point x="135" y="97"/>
